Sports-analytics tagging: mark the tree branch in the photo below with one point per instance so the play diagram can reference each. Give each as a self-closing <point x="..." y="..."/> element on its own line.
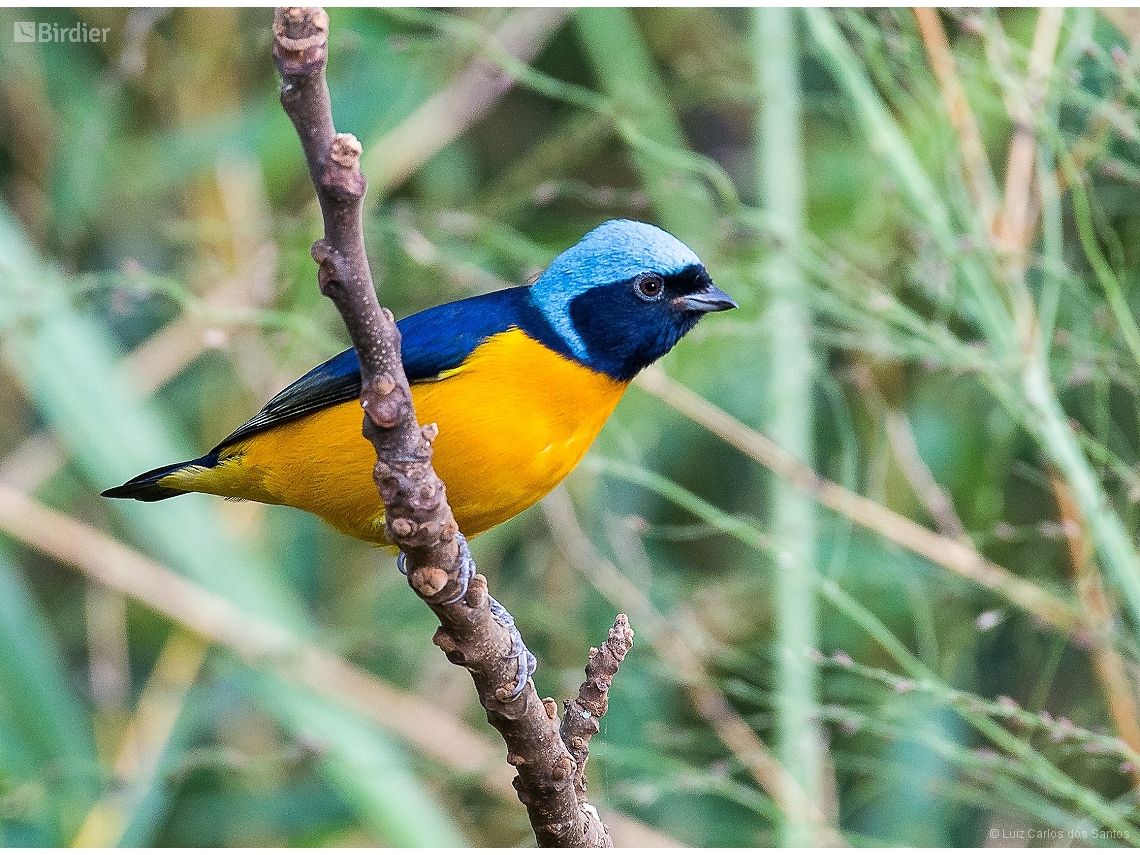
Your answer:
<point x="580" y="722"/>
<point x="418" y="518"/>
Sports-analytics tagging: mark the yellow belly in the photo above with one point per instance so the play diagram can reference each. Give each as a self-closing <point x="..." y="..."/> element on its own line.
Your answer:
<point x="513" y="421"/>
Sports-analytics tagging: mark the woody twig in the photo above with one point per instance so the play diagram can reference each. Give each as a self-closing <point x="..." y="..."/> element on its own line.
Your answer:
<point x="475" y="631"/>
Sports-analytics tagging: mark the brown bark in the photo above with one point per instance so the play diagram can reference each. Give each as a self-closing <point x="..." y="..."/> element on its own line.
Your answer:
<point x="473" y="627"/>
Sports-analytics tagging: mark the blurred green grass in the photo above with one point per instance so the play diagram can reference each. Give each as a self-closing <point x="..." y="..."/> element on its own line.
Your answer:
<point x="152" y="186"/>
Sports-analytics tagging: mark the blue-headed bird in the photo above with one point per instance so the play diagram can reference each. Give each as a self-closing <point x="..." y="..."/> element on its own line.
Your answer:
<point x="518" y="381"/>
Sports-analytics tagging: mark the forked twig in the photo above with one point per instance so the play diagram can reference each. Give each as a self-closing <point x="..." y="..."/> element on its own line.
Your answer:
<point x="418" y="518"/>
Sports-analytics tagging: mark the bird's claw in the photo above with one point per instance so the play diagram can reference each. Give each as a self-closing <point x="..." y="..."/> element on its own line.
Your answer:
<point x="466" y="570"/>
<point x="527" y="663"/>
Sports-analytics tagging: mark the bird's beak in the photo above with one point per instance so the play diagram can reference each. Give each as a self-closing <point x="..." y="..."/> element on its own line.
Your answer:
<point x="708" y="299"/>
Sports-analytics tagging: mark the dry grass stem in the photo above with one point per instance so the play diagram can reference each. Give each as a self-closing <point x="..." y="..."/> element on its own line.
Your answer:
<point x="447" y="114"/>
<point x="145" y="739"/>
<point x="979" y="175"/>
<point x="662" y="635"/>
<point x="962" y="560"/>
<point x="926" y="489"/>
<point x="433" y="732"/>
<point x="255" y="640"/>
<point x="1015" y="229"/>
<point x="1108" y="664"/>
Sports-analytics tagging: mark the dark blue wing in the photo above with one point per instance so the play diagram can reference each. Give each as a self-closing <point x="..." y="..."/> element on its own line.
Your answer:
<point x="442" y="337"/>
<point x="433" y="341"/>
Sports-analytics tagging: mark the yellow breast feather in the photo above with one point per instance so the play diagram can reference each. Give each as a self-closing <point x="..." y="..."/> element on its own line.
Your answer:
<point x="513" y="420"/>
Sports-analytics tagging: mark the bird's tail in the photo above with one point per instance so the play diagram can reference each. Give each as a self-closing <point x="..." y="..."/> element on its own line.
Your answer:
<point x="148" y="487"/>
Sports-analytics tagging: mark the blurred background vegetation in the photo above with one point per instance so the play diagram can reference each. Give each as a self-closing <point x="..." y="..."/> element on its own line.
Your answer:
<point x="931" y="225"/>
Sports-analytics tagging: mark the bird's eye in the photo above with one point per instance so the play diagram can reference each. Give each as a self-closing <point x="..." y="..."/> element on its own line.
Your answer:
<point x="649" y="286"/>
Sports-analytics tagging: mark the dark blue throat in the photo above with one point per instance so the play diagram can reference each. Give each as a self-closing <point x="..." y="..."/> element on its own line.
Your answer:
<point x="624" y="333"/>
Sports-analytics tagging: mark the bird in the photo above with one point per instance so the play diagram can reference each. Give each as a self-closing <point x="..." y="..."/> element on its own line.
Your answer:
<point x="519" y="383"/>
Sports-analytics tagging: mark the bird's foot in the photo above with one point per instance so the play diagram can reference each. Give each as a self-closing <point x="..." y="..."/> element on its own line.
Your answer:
<point x="466" y="570"/>
<point x="527" y="663"/>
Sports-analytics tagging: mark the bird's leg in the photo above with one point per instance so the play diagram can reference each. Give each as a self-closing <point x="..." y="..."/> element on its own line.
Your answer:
<point x="526" y="660"/>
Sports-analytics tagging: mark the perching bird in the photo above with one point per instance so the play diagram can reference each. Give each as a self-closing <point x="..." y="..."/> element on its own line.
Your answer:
<point x="519" y="382"/>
